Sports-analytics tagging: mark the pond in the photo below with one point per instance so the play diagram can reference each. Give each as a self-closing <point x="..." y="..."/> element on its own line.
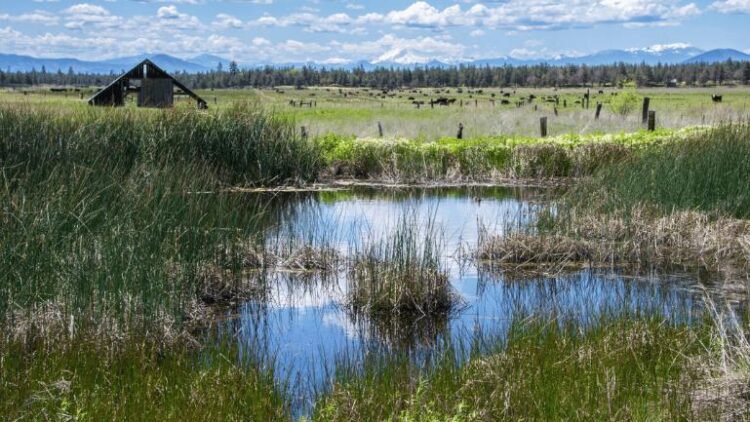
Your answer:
<point x="305" y="330"/>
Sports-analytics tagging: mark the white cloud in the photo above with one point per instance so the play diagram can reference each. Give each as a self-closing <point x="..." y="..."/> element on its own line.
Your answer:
<point x="660" y="48"/>
<point x="225" y="21"/>
<point x="37" y="17"/>
<point x="86" y="9"/>
<point x="169" y="16"/>
<point x="731" y="6"/>
<point x="391" y="48"/>
<point x="515" y="15"/>
<point x="338" y="22"/>
<point x="526" y="53"/>
<point x="422" y="14"/>
<point x="170" y="1"/>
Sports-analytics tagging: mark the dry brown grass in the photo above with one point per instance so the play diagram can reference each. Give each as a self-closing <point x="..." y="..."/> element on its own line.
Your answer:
<point x="723" y="390"/>
<point x="683" y="238"/>
<point x="311" y="259"/>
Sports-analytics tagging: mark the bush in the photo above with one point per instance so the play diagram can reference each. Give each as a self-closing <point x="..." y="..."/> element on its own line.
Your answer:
<point x="625" y="103"/>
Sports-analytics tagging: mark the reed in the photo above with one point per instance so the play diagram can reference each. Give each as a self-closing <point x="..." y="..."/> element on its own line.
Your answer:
<point x="708" y="172"/>
<point x="85" y="381"/>
<point x="112" y="219"/>
<point x="401" y="274"/>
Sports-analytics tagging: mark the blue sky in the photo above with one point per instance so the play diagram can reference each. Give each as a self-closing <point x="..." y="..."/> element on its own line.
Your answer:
<point x="338" y="31"/>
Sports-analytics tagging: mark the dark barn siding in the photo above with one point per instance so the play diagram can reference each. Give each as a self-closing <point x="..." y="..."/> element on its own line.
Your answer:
<point x="157" y="93"/>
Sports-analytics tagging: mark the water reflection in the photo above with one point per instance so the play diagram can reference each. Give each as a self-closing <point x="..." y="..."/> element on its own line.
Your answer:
<point x="305" y="329"/>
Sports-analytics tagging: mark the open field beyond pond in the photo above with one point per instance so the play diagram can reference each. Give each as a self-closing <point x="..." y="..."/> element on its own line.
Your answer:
<point x="227" y="264"/>
<point x="483" y="112"/>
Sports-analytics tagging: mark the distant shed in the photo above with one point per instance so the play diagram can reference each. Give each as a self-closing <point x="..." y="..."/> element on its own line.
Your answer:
<point x="155" y="88"/>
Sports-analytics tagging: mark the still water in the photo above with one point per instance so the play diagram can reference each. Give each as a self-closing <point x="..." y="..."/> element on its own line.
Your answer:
<point x="304" y="330"/>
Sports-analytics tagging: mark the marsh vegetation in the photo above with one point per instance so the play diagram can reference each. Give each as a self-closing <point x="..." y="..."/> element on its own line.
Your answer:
<point x="149" y="264"/>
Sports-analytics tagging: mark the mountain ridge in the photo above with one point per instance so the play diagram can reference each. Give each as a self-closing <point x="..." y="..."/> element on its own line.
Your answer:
<point x="207" y="62"/>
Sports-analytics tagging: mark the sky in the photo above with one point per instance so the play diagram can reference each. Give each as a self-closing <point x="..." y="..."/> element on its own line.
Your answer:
<point x="345" y="31"/>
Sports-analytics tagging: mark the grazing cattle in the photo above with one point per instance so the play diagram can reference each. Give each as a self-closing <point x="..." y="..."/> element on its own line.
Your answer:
<point x="442" y="101"/>
<point x="716" y="98"/>
<point x="506" y="94"/>
<point x="504" y="102"/>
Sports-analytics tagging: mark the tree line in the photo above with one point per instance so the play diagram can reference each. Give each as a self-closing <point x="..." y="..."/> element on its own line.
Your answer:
<point x="541" y="75"/>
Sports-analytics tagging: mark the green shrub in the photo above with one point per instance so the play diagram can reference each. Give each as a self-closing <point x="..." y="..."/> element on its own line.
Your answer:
<point x="625" y="102"/>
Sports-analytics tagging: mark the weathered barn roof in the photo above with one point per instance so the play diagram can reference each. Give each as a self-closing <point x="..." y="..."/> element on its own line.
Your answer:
<point x="114" y="93"/>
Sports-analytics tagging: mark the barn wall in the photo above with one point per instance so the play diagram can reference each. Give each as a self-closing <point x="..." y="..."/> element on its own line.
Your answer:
<point x="112" y="96"/>
<point x="156" y="93"/>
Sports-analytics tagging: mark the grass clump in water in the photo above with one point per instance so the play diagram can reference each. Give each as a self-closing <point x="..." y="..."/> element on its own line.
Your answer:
<point x="401" y="274"/>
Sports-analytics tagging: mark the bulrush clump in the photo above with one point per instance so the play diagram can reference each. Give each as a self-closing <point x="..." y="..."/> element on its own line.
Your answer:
<point x="401" y="275"/>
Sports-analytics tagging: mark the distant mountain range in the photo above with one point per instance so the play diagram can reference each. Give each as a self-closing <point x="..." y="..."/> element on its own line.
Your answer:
<point x="669" y="54"/>
<point x="719" y="55"/>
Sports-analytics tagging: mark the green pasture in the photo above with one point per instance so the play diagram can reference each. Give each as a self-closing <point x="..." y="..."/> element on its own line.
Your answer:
<point x="357" y="111"/>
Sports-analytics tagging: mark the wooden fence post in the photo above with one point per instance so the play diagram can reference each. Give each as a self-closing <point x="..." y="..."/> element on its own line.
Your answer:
<point x="543" y="126"/>
<point x="303" y="130"/>
<point x="380" y="129"/>
<point x="598" y="111"/>
<point x="588" y="98"/>
<point x="460" y="134"/>
<point x="646" y="102"/>
<point x="651" y="121"/>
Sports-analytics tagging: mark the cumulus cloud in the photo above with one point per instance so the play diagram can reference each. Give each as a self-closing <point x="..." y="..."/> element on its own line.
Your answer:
<point x="226" y="21"/>
<point x="731" y="6"/>
<point x="37" y="17"/>
<point x="416" y="32"/>
<point x="514" y="15"/>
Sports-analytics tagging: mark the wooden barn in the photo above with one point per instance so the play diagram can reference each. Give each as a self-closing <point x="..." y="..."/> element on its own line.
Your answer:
<point x="155" y="88"/>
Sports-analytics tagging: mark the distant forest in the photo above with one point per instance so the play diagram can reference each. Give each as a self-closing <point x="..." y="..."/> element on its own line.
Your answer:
<point x="537" y="76"/>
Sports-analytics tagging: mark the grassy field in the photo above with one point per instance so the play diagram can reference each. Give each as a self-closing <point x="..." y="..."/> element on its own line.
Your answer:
<point x="114" y="259"/>
<point x="356" y="112"/>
